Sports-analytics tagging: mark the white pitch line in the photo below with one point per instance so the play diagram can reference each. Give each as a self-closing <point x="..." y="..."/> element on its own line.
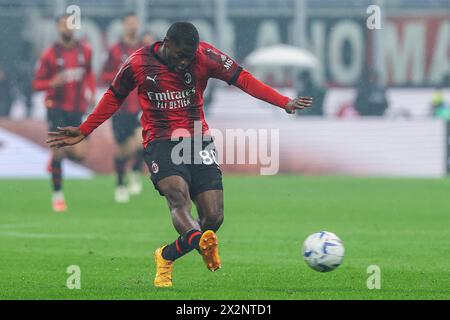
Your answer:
<point x="30" y="235"/>
<point x="15" y="234"/>
<point x="21" y="225"/>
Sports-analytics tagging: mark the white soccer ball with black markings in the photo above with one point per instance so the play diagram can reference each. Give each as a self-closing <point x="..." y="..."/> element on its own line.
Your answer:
<point x="323" y="251"/>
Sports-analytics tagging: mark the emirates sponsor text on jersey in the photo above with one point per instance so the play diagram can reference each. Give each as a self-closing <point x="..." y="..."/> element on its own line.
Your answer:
<point x="171" y="99"/>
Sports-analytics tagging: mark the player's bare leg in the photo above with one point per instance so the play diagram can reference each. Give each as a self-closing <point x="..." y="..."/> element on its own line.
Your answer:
<point x="130" y="149"/>
<point x="75" y="153"/>
<point x="210" y="209"/>
<point x="176" y="191"/>
<point x="55" y="166"/>
<point x="121" y="194"/>
<point x="134" y="181"/>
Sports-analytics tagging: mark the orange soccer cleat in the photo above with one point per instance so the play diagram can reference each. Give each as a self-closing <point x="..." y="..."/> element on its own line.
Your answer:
<point x="164" y="269"/>
<point x="209" y="250"/>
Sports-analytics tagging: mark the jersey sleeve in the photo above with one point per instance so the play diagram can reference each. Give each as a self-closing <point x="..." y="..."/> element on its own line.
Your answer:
<point x="249" y="84"/>
<point x="220" y="65"/>
<point x="107" y="106"/>
<point x="125" y="80"/>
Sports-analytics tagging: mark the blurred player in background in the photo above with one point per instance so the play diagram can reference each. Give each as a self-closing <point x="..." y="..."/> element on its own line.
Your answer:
<point x="148" y="38"/>
<point x="371" y="98"/>
<point x="125" y="123"/>
<point x="65" y="73"/>
<point x="6" y="95"/>
<point x="171" y="76"/>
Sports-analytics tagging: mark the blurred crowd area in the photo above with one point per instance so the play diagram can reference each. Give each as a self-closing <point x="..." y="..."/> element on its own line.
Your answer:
<point x="411" y="51"/>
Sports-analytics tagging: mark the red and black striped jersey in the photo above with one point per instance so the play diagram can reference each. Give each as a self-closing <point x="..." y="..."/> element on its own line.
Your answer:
<point x="79" y="80"/>
<point x="118" y="54"/>
<point x="171" y="100"/>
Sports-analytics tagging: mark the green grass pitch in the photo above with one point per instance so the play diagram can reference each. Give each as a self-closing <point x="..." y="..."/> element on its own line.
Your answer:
<point x="400" y="225"/>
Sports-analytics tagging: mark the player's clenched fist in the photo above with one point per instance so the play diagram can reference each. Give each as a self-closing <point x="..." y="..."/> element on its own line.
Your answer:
<point x="298" y="103"/>
<point x="66" y="136"/>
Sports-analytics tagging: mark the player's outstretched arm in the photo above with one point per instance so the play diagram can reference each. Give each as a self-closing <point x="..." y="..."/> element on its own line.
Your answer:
<point x="249" y="84"/>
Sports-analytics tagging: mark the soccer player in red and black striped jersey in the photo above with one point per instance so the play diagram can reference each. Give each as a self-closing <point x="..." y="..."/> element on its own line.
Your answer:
<point x="125" y="122"/>
<point x="65" y="73"/>
<point x="171" y="76"/>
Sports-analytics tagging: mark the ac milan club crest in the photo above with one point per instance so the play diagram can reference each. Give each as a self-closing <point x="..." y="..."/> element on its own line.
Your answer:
<point x="155" y="167"/>
<point x="187" y="78"/>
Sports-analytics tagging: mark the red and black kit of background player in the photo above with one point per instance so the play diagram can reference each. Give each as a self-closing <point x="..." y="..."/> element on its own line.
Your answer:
<point x="65" y="73"/>
<point x="73" y="66"/>
<point x="125" y="123"/>
<point x="130" y="108"/>
<point x="171" y="77"/>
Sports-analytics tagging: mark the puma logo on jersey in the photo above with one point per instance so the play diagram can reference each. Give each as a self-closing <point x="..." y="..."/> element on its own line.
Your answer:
<point x="152" y="79"/>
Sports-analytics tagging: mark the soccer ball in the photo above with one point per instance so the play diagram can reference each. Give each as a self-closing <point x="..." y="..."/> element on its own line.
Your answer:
<point x="323" y="251"/>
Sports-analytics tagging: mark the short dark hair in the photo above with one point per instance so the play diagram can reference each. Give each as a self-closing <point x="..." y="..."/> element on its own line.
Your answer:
<point x="183" y="33"/>
<point x="128" y="14"/>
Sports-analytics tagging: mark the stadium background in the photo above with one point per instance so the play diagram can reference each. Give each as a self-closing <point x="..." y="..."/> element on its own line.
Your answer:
<point x="386" y="221"/>
<point x="409" y="52"/>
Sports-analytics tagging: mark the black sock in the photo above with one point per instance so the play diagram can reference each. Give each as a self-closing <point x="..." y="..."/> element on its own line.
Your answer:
<point x="138" y="161"/>
<point x="184" y="244"/>
<point x="56" y="175"/>
<point x="119" y="164"/>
